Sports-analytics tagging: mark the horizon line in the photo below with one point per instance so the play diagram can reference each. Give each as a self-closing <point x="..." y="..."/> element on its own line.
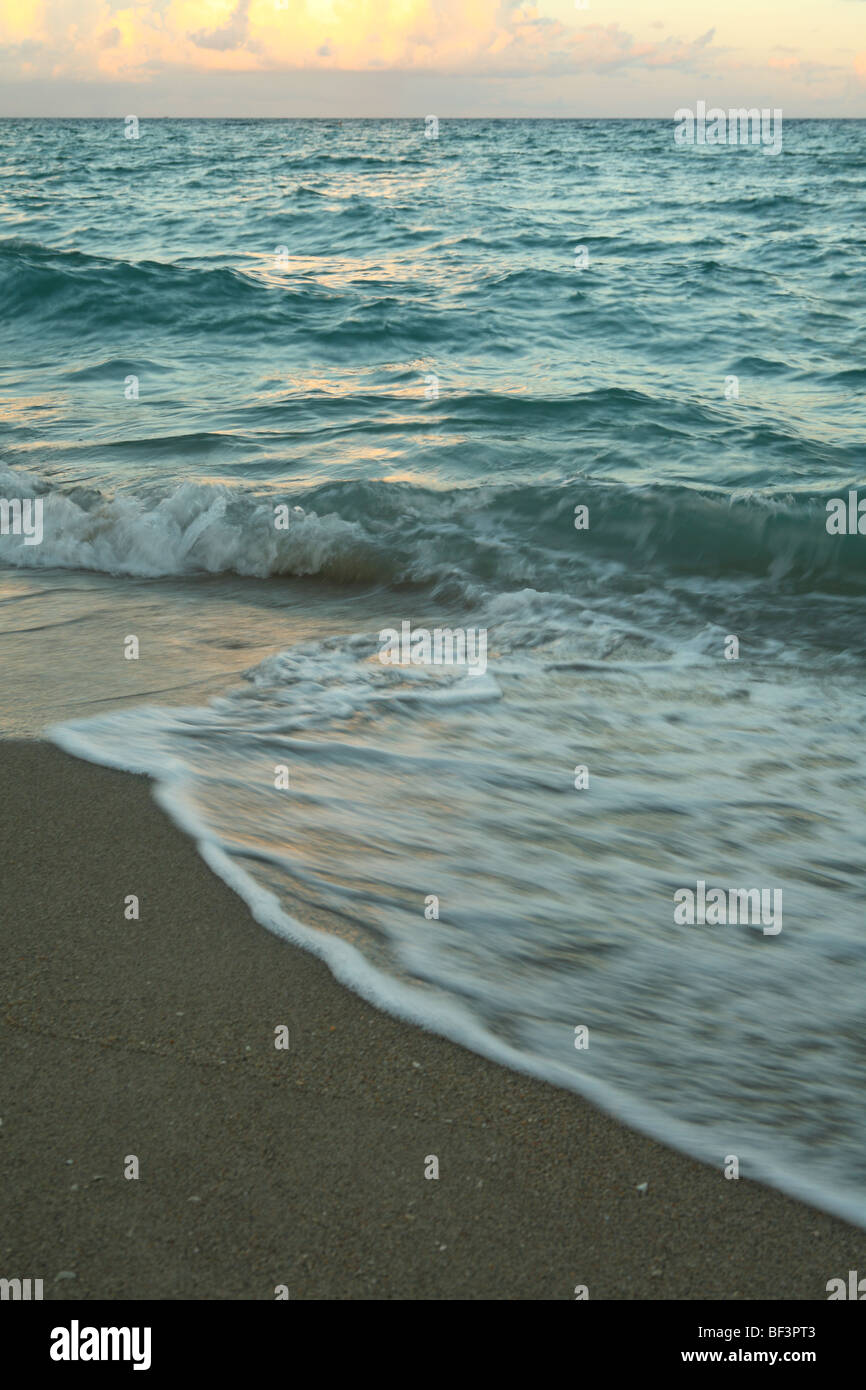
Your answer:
<point x="11" y="116"/>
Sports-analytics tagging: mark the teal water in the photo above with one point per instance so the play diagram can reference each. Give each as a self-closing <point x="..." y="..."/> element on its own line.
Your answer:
<point x="390" y="337"/>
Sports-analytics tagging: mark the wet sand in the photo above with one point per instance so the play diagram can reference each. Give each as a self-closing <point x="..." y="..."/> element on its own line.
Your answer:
<point x="302" y="1167"/>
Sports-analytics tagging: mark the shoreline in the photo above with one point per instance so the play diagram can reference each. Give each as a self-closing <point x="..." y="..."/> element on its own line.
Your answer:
<point x="304" y="1167"/>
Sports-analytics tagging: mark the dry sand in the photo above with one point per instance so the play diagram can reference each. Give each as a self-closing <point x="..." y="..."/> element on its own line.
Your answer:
<point x="261" y="1167"/>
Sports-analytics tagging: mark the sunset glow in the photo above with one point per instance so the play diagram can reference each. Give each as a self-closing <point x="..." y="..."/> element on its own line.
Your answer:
<point x="477" y="55"/>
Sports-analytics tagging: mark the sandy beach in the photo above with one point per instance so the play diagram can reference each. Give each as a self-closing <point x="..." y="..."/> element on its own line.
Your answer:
<point x="303" y="1167"/>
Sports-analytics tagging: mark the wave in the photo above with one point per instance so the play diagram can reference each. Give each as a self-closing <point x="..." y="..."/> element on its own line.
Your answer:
<point x="97" y="293"/>
<point x="532" y="888"/>
<point x="450" y="1018"/>
<point x="464" y="540"/>
<point x="110" y="368"/>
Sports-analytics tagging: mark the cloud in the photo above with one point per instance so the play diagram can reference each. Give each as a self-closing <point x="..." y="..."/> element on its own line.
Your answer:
<point x="231" y="35"/>
<point x="144" y="41"/>
<point x="130" y="38"/>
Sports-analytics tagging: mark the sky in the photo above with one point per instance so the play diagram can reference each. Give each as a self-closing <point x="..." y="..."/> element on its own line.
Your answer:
<point x="417" y="57"/>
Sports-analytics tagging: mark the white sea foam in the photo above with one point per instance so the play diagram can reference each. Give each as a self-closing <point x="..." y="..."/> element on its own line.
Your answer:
<point x="555" y="904"/>
<point x="196" y="529"/>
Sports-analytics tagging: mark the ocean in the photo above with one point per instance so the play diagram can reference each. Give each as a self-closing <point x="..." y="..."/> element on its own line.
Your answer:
<point x="282" y="386"/>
